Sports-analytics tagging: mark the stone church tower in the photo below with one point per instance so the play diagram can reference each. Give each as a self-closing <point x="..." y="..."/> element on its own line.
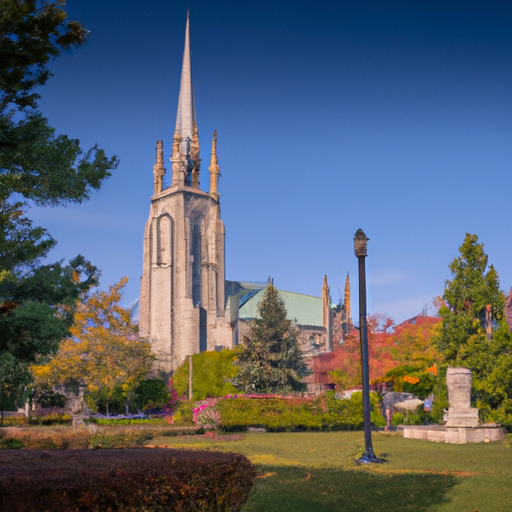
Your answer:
<point x="182" y="300"/>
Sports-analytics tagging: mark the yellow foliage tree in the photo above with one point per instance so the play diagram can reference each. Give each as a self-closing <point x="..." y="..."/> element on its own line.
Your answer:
<point x="104" y="353"/>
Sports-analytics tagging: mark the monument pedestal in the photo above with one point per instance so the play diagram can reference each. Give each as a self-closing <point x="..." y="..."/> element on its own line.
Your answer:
<point x="484" y="433"/>
<point x="462" y="422"/>
<point x="462" y="417"/>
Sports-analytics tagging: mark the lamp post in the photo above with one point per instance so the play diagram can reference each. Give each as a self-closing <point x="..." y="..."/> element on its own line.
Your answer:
<point x="360" y="249"/>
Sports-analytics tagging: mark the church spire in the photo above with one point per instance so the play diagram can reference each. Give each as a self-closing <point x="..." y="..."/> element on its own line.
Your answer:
<point x="326" y="301"/>
<point x="186" y="117"/>
<point x="186" y="127"/>
<point x="346" y="299"/>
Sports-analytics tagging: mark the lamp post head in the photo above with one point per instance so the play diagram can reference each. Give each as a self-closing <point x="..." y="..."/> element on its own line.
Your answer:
<point x="360" y="243"/>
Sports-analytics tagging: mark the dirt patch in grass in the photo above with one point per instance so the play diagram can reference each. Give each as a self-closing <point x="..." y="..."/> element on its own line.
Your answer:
<point x="226" y="438"/>
<point x="201" y="438"/>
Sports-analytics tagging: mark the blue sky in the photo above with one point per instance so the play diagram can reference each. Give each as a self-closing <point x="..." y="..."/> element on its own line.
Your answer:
<point x="394" y="117"/>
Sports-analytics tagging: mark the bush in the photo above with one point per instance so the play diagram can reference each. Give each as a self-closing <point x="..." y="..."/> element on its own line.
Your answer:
<point x="127" y="421"/>
<point x="416" y="417"/>
<point x="206" y="414"/>
<point x="278" y="414"/>
<point x="134" y="479"/>
<point x="46" y="439"/>
<point x="351" y="409"/>
<point x="152" y="393"/>
<point x="397" y="419"/>
<point x="212" y="374"/>
<point x="119" y="438"/>
<point x="54" y="418"/>
<point x="184" y="413"/>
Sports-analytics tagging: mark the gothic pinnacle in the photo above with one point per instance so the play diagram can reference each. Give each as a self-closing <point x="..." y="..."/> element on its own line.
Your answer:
<point x="214" y="169"/>
<point x="158" y="168"/>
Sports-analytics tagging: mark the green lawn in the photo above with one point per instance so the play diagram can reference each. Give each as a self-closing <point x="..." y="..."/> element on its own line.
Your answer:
<point x="315" y="472"/>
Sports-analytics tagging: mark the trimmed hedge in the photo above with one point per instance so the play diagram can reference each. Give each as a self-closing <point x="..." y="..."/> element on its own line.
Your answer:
<point x="51" y="419"/>
<point x="126" y="421"/>
<point x="278" y="414"/>
<point x="124" y="480"/>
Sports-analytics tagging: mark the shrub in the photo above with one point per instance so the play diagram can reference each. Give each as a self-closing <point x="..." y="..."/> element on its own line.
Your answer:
<point x="416" y="417"/>
<point x="127" y="421"/>
<point x="53" y="418"/>
<point x="134" y="479"/>
<point x="350" y="409"/>
<point x="119" y="438"/>
<point x="46" y="439"/>
<point x="278" y="414"/>
<point x="184" y="413"/>
<point x="206" y="414"/>
<point x="212" y="374"/>
<point x="397" y="419"/>
<point x="151" y="393"/>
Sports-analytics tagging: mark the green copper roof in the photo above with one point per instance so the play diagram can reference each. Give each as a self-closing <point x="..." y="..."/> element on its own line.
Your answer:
<point x="305" y="309"/>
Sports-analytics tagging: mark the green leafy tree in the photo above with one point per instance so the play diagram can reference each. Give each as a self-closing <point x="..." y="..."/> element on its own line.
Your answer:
<point x="271" y="359"/>
<point x="37" y="165"/>
<point x="462" y="338"/>
<point x="34" y="161"/>
<point x="151" y="394"/>
<point x="36" y="301"/>
<point x="473" y="287"/>
<point x="212" y="374"/>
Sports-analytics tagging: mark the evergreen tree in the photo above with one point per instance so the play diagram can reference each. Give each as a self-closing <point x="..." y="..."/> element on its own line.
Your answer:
<point x="36" y="301"/>
<point x="473" y="287"/>
<point x="271" y="360"/>
<point x="462" y="338"/>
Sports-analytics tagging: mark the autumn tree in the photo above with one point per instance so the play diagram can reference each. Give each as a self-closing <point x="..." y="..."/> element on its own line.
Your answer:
<point x="270" y="359"/>
<point x="409" y="344"/>
<point x="463" y="338"/>
<point x="412" y="342"/>
<point x="103" y="354"/>
<point x="36" y="165"/>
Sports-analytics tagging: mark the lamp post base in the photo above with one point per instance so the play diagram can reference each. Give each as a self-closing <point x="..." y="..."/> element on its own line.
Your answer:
<point x="369" y="457"/>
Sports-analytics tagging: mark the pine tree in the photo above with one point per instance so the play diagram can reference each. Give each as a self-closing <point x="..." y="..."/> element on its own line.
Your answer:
<point x="271" y="360"/>
<point x="474" y="286"/>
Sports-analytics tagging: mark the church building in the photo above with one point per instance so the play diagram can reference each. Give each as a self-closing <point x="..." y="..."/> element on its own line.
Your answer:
<point x="182" y="300"/>
<point x="186" y="305"/>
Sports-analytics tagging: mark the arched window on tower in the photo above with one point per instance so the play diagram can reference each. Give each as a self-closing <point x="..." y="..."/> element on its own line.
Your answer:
<point x="164" y="229"/>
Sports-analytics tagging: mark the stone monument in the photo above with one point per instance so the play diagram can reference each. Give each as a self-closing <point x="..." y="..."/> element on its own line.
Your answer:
<point x="460" y="412"/>
<point x="462" y="424"/>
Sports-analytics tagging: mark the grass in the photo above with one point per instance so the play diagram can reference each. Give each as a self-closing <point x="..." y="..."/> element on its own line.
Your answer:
<point x="316" y="472"/>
